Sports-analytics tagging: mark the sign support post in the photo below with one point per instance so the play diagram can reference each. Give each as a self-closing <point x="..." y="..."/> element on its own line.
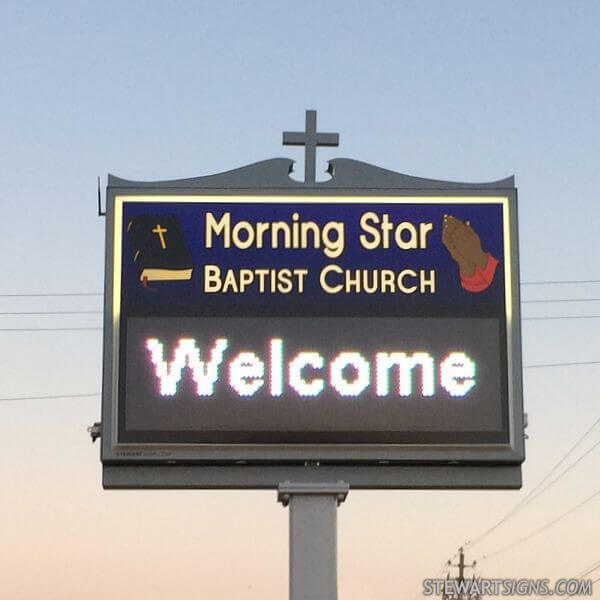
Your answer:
<point x="313" y="537"/>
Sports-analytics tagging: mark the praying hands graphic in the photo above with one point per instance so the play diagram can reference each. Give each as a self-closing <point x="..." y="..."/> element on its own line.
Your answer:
<point x="476" y="267"/>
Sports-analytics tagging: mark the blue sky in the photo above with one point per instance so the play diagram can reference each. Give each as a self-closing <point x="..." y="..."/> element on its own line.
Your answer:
<point x="461" y="91"/>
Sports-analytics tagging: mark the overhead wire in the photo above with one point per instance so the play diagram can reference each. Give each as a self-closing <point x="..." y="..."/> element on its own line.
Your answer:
<point x="538" y="366"/>
<point x="559" y="318"/>
<point x="74" y="294"/>
<point x="50" y="295"/>
<point x="98" y="312"/>
<point x="536" y="301"/>
<point x="54" y="312"/>
<point x="566" y="364"/>
<point x="560" y="300"/>
<point x="560" y="476"/>
<point x="539" y="530"/>
<point x="52" y="397"/>
<point x="467" y="543"/>
<point x="83" y="294"/>
<point x="560" y="282"/>
<point x="589" y="569"/>
<point x="537" y="487"/>
<point x="50" y="328"/>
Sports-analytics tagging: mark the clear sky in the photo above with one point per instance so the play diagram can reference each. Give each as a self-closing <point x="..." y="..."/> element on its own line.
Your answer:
<point x="462" y="91"/>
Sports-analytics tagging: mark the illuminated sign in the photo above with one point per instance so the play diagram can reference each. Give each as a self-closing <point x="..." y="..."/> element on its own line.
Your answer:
<point x="294" y="327"/>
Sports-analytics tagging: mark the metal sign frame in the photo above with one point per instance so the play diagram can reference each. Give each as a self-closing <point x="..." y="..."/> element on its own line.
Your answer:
<point x="362" y="466"/>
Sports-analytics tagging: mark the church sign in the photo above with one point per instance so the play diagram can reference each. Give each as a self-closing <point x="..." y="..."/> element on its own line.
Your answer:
<point x="260" y="329"/>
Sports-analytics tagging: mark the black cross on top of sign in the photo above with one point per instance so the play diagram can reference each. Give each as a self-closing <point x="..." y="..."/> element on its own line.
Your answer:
<point x="310" y="139"/>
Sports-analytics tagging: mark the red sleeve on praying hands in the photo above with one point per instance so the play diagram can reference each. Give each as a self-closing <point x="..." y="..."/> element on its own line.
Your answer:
<point x="482" y="278"/>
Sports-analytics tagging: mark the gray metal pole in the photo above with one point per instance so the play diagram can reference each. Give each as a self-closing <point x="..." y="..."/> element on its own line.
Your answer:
<point x="313" y="537"/>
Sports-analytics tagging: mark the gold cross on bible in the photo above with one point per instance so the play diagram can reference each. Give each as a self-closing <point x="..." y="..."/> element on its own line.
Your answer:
<point x="161" y="231"/>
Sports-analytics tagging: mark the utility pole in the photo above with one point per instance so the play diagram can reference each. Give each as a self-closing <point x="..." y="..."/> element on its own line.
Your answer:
<point x="461" y="566"/>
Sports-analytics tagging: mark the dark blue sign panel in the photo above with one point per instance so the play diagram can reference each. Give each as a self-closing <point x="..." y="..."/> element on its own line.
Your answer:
<point x="274" y="321"/>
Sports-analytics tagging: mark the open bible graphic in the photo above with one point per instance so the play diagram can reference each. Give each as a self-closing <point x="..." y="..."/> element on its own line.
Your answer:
<point x="477" y="267"/>
<point x="159" y="248"/>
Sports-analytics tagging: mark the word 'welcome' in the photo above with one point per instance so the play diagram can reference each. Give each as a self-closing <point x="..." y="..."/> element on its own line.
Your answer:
<point x="348" y="373"/>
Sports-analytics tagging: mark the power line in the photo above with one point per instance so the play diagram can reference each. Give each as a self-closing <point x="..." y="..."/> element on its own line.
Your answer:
<point x="527" y="498"/>
<point x="561" y="300"/>
<point x="98" y="312"/>
<point x="590" y="569"/>
<point x="54" y="312"/>
<point x="56" y="397"/>
<point x="566" y="364"/>
<point x="50" y="328"/>
<point x="525" y="502"/>
<point x="15" y="329"/>
<point x="81" y="294"/>
<point x="44" y="295"/>
<point x="559" y="318"/>
<point x="575" y="281"/>
<point x="75" y="294"/>
<point x="539" y="530"/>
